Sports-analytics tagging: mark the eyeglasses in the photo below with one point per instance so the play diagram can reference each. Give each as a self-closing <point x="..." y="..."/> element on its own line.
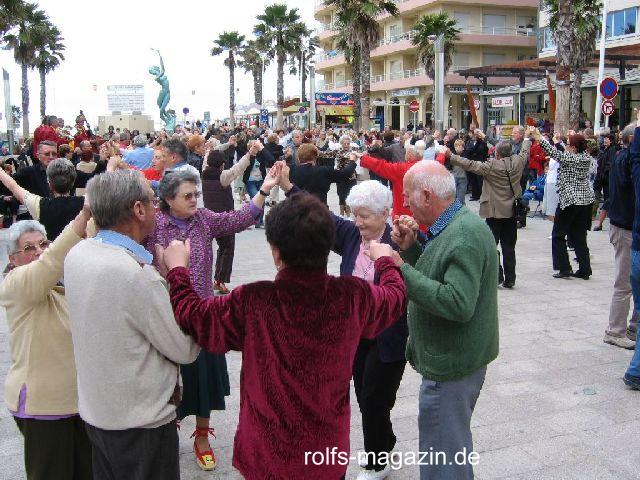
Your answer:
<point x="191" y="195"/>
<point x="31" y="249"/>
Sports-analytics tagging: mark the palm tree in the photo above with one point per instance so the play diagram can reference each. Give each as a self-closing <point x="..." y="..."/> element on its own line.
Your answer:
<point x="233" y="43"/>
<point x="10" y="11"/>
<point x="563" y="35"/>
<point x="361" y="17"/>
<point x="435" y="24"/>
<point x="48" y="58"/>
<point x="304" y="54"/>
<point x="584" y="26"/>
<point x="280" y="33"/>
<point x="352" y="56"/>
<point x="253" y="60"/>
<point x="25" y="40"/>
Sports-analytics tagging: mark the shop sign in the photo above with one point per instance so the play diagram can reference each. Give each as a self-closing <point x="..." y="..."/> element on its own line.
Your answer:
<point x="333" y="99"/>
<point x="502" y="102"/>
<point x="405" y="92"/>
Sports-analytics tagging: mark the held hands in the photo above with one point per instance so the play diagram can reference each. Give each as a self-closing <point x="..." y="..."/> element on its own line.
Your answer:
<point x="377" y="250"/>
<point x="405" y="232"/>
<point x="175" y="255"/>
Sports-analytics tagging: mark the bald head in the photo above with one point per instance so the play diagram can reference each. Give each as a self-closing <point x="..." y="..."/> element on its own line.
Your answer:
<point x="428" y="189"/>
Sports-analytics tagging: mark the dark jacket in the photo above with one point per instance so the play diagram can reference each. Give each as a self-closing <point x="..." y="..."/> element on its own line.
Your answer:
<point x="34" y="179"/>
<point x="216" y="197"/>
<point x="392" y="342"/>
<point x="57" y="212"/>
<point x="265" y="160"/>
<point x="317" y="180"/>
<point x="195" y="160"/>
<point x="476" y="150"/>
<point x="605" y="159"/>
<point x="621" y="195"/>
<point x="275" y="149"/>
<point x="635" y="175"/>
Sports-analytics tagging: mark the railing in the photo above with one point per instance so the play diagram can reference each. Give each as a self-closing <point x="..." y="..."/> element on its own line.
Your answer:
<point x="517" y="32"/>
<point x="398" y="38"/>
<point x="419" y="72"/>
<point x="331" y="54"/>
<point x="326" y="28"/>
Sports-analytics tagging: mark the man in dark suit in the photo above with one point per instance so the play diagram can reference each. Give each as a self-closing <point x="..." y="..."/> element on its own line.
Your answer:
<point x="476" y="150"/>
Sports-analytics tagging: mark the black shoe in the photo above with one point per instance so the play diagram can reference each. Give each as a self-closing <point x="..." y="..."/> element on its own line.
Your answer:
<point x="567" y="274"/>
<point x="631" y="381"/>
<point x="506" y="284"/>
<point x="581" y="275"/>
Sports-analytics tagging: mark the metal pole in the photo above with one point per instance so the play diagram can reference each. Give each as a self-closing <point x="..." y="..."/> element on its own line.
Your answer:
<point x="622" y="118"/>
<point x="603" y="34"/>
<point x="262" y="86"/>
<point x="439" y="83"/>
<point x="312" y="96"/>
<point x="8" y="110"/>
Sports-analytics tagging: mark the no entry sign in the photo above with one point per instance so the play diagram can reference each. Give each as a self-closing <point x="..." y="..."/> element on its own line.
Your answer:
<point x="414" y="106"/>
<point x="609" y="88"/>
<point x="608" y="108"/>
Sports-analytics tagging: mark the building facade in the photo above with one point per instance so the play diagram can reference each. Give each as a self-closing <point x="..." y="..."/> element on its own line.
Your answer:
<point x="492" y="32"/>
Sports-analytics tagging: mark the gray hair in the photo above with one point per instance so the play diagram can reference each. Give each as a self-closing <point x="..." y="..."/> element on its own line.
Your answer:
<point x="47" y="143"/>
<point x="345" y="137"/>
<point x="170" y="183"/>
<point x="124" y="136"/>
<point x="175" y="145"/>
<point x="442" y="186"/>
<point x="420" y="147"/>
<point x="61" y="175"/>
<point x="20" y="228"/>
<point x="112" y="194"/>
<point x="412" y="153"/>
<point x="518" y="128"/>
<point x="428" y="140"/>
<point x="627" y="133"/>
<point x="503" y="150"/>
<point x="140" y="141"/>
<point x="370" y="194"/>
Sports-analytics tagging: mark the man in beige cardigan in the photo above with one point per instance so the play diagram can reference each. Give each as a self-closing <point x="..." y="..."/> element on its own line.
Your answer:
<point x="496" y="201"/>
<point x="40" y="388"/>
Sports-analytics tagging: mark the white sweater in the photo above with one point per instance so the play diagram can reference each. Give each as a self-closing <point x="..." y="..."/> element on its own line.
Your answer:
<point x="126" y="341"/>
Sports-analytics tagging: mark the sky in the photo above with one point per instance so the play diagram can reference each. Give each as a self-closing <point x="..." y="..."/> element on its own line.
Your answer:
<point x="109" y="43"/>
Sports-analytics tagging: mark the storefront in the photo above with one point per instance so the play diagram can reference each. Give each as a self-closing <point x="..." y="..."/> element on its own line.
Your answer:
<point x="334" y="109"/>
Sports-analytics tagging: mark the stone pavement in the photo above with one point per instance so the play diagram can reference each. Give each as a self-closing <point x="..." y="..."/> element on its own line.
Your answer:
<point x="553" y="405"/>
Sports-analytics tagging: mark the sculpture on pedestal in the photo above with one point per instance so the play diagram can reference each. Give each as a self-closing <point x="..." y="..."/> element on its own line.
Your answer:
<point x="168" y="117"/>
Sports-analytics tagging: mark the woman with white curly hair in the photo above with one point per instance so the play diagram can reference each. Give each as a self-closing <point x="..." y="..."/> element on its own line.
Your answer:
<point x="379" y="363"/>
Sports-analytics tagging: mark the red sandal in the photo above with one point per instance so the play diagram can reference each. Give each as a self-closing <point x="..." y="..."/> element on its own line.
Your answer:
<point x="205" y="459"/>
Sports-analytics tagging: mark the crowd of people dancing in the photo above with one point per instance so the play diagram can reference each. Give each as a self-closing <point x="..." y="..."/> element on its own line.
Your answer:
<point x="120" y="312"/>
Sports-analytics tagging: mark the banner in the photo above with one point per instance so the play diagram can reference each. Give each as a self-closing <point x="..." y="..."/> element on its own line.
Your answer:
<point x="502" y="102"/>
<point x="333" y="99"/>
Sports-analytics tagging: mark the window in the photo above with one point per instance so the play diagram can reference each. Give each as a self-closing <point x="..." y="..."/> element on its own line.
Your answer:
<point x="548" y="42"/>
<point x="494" y="24"/>
<point x="622" y="22"/>
<point x="394" y="31"/>
<point x="460" y="60"/>
<point x="526" y="22"/>
<point x="395" y="66"/>
<point x="462" y="20"/>
<point x="492" y="58"/>
<point x="339" y="78"/>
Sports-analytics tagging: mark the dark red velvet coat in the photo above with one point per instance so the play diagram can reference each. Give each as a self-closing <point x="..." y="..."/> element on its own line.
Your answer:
<point x="298" y="335"/>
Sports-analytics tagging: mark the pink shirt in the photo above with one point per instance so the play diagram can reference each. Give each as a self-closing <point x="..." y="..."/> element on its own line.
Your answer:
<point x="363" y="267"/>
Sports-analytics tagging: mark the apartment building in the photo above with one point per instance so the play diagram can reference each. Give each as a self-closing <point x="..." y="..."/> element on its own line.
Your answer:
<point x="492" y="32"/>
<point x="622" y="38"/>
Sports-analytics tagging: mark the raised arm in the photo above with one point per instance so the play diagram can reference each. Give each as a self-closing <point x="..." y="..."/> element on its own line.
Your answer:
<point x="7" y="180"/>
<point x="229" y="175"/>
<point x="380" y="167"/>
<point x="344" y="174"/>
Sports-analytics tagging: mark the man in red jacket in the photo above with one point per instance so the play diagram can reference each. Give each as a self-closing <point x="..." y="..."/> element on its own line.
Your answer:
<point x="47" y="131"/>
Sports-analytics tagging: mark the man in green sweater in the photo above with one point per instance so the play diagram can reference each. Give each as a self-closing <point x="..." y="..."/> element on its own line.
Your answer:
<point x="452" y="283"/>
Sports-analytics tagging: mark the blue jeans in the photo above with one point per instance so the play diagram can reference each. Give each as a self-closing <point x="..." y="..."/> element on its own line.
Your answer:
<point x="634" y="366"/>
<point x="253" y="186"/>
<point x="461" y="189"/>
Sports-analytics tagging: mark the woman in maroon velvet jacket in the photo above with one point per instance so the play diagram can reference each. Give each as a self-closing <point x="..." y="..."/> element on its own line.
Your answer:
<point x="299" y="335"/>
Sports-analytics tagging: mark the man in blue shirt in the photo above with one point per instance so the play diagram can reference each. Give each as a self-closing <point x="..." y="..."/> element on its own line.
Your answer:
<point x="141" y="155"/>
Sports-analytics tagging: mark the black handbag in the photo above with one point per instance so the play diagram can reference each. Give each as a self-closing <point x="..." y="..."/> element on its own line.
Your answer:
<point x="519" y="208"/>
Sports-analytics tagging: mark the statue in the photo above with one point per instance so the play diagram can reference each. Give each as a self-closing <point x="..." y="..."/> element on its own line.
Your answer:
<point x="167" y="116"/>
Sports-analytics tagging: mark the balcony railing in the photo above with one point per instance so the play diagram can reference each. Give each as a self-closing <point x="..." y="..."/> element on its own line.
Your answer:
<point x="331" y="54"/>
<point x="326" y="28"/>
<point x="419" y="72"/>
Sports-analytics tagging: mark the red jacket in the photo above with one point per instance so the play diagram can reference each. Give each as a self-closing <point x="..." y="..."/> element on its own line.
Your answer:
<point x="298" y="336"/>
<point x="46" y="132"/>
<point x="391" y="171"/>
<point x="537" y="158"/>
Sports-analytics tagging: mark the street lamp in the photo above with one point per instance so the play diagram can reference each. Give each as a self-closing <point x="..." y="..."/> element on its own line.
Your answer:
<point x="438" y="46"/>
<point x="312" y="94"/>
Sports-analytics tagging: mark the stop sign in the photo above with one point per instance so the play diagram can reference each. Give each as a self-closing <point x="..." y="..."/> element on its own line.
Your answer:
<point x="414" y="106"/>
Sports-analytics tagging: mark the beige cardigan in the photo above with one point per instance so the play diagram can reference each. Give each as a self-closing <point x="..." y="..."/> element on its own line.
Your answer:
<point x="39" y="333"/>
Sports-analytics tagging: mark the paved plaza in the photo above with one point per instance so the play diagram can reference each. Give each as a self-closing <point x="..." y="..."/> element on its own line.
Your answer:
<point x="553" y="405"/>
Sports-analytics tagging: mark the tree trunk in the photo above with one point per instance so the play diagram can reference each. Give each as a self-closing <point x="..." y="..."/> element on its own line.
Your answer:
<point x="232" y="92"/>
<point x="43" y="93"/>
<point x="576" y="101"/>
<point x="365" y="76"/>
<point x="280" y="92"/>
<point x="256" y="86"/>
<point x="25" y="102"/>
<point x="303" y="72"/>
<point x="563" y="71"/>
<point x="357" y="81"/>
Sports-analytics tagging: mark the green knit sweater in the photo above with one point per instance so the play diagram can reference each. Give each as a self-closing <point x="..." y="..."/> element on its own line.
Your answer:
<point x="453" y="300"/>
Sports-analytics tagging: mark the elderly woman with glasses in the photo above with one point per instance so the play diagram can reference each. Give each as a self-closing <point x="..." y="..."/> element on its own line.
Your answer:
<point x="379" y="362"/>
<point x="40" y="389"/>
<point x="206" y="381"/>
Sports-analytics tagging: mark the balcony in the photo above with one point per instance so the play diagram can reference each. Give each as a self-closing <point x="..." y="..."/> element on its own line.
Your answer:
<point x="326" y="31"/>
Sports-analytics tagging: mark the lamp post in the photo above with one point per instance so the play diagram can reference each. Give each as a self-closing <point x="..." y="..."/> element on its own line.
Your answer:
<point x="312" y="95"/>
<point x="603" y="34"/>
<point x="8" y="111"/>
<point x="438" y="94"/>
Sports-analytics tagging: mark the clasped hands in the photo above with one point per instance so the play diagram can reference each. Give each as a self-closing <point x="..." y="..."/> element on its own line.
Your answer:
<point x="404" y="233"/>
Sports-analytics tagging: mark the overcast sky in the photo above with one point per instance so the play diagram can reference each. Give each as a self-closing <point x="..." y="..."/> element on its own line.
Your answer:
<point x="108" y="42"/>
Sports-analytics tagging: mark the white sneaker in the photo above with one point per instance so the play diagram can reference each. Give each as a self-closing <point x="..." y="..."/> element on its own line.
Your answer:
<point x="373" y="475"/>
<point x="622" y="342"/>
